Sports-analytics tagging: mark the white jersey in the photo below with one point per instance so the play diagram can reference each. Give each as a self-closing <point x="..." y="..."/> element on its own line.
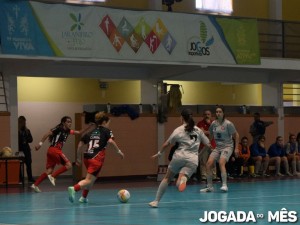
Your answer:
<point x="188" y="142"/>
<point x="222" y="133"/>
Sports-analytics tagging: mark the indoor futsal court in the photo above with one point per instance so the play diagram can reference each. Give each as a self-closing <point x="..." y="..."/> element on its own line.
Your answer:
<point x="257" y="197"/>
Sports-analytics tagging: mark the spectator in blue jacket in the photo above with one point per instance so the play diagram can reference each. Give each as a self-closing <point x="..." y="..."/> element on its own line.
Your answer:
<point x="278" y="157"/>
<point x="259" y="156"/>
<point x="293" y="153"/>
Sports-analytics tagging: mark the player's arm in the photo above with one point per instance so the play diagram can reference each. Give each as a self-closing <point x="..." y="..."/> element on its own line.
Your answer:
<point x="206" y="141"/>
<point x="162" y="149"/>
<point x="116" y="148"/>
<point x="268" y="123"/>
<point x="91" y="126"/>
<point x="39" y="145"/>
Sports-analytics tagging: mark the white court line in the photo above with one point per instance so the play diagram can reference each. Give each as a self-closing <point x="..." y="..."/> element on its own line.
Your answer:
<point x="86" y="206"/>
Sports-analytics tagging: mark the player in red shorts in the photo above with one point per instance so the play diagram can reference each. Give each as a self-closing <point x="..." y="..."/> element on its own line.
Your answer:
<point x="57" y="137"/>
<point x="94" y="155"/>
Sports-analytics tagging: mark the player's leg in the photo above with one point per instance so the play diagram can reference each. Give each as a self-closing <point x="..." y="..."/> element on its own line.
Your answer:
<point x="185" y="173"/>
<point x="213" y="157"/>
<point x="162" y="188"/>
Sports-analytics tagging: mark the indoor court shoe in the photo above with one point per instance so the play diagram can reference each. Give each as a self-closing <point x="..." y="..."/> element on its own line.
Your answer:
<point x="153" y="204"/>
<point x="71" y="194"/>
<point x="224" y="188"/>
<point x="208" y="189"/>
<point x="83" y="200"/>
<point x="52" y="179"/>
<point x="35" y="188"/>
<point x="182" y="184"/>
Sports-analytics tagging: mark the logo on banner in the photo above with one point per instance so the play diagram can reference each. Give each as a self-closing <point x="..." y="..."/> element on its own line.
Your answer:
<point x="153" y="37"/>
<point x="18" y="29"/>
<point x="200" y="46"/>
<point x="76" y="38"/>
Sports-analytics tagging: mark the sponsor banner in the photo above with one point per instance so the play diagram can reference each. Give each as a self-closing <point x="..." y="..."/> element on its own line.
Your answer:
<point x="20" y="33"/>
<point x="98" y="32"/>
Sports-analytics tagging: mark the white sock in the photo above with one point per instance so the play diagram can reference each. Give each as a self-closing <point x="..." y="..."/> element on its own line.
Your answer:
<point x="161" y="189"/>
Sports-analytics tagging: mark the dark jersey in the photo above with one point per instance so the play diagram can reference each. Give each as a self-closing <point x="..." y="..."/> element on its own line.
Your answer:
<point x="96" y="140"/>
<point x="60" y="136"/>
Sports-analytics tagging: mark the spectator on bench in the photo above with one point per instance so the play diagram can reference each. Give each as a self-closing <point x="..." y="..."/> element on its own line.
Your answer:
<point x="292" y="152"/>
<point x="244" y="155"/>
<point x="259" y="156"/>
<point x="278" y="157"/>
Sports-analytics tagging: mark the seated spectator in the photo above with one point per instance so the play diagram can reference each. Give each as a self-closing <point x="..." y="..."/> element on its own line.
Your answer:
<point x="244" y="155"/>
<point x="278" y="157"/>
<point x="292" y="152"/>
<point x="236" y="163"/>
<point x="259" y="156"/>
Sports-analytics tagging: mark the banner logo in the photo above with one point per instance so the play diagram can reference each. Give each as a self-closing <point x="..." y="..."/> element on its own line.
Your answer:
<point x="77" y="38"/>
<point x="153" y="37"/>
<point x="200" y="46"/>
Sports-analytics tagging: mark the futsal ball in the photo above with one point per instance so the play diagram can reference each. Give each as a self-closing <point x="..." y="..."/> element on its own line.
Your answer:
<point x="123" y="195"/>
<point x="6" y="152"/>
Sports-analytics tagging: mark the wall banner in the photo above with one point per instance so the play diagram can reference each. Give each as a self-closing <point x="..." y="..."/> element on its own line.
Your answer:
<point x="33" y="28"/>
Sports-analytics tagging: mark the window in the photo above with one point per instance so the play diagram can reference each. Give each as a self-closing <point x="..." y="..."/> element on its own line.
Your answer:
<point x="216" y="6"/>
<point x="291" y="94"/>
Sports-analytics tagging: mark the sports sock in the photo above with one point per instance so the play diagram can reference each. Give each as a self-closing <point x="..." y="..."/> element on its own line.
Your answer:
<point x="85" y="193"/>
<point x="161" y="189"/>
<point x="40" y="179"/>
<point x="77" y="187"/>
<point x="224" y="178"/>
<point x="209" y="180"/>
<point x="59" y="171"/>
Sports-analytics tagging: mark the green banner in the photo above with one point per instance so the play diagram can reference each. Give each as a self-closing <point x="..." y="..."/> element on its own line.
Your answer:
<point x="242" y="38"/>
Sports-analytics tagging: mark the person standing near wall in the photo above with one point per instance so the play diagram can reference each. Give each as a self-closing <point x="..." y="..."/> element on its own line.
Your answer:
<point x="25" y="138"/>
<point x="258" y="127"/>
<point x="57" y="137"/>
<point x="226" y="137"/>
<point x="204" y="151"/>
<point x="185" y="159"/>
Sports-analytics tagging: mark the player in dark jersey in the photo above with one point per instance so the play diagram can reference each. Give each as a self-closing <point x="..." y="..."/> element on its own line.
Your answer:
<point x="57" y="137"/>
<point x="94" y="155"/>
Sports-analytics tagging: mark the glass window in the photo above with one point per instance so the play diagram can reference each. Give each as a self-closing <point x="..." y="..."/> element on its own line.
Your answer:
<point x="291" y="94"/>
<point x="216" y="6"/>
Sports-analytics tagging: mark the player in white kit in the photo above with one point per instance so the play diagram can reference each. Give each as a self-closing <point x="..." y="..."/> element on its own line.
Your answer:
<point x="225" y="135"/>
<point x="185" y="159"/>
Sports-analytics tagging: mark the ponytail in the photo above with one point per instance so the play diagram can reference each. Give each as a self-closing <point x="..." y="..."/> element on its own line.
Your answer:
<point x="187" y="116"/>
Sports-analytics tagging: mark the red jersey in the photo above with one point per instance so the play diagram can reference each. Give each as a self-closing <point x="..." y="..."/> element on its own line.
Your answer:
<point x="205" y="126"/>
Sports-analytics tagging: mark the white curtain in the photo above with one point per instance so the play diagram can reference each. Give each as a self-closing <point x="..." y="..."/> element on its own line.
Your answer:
<point x="218" y="6"/>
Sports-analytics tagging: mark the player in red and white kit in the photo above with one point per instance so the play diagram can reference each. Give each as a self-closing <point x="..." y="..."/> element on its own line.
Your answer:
<point x="94" y="155"/>
<point x="57" y="137"/>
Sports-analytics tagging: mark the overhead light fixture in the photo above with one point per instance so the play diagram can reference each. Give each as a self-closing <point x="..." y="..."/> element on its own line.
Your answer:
<point x="84" y="1"/>
<point x="169" y="4"/>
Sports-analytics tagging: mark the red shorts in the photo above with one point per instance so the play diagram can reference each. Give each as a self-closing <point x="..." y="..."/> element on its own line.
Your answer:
<point x="94" y="165"/>
<point x="55" y="156"/>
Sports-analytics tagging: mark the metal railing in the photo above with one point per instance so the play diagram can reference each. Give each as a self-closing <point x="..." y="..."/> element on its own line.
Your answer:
<point x="279" y="38"/>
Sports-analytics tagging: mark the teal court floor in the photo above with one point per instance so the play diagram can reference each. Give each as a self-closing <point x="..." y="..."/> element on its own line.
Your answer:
<point x="251" y="201"/>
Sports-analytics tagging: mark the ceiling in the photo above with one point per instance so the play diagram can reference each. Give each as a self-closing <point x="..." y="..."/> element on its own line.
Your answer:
<point x="270" y="70"/>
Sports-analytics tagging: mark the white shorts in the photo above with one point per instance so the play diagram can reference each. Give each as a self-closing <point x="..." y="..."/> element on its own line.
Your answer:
<point x="221" y="153"/>
<point x="180" y="165"/>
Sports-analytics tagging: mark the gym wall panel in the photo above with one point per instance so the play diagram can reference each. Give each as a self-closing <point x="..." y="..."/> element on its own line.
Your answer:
<point x="5" y="129"/>
<point x="290" y="10"/>
<point x="86" y="91"/>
